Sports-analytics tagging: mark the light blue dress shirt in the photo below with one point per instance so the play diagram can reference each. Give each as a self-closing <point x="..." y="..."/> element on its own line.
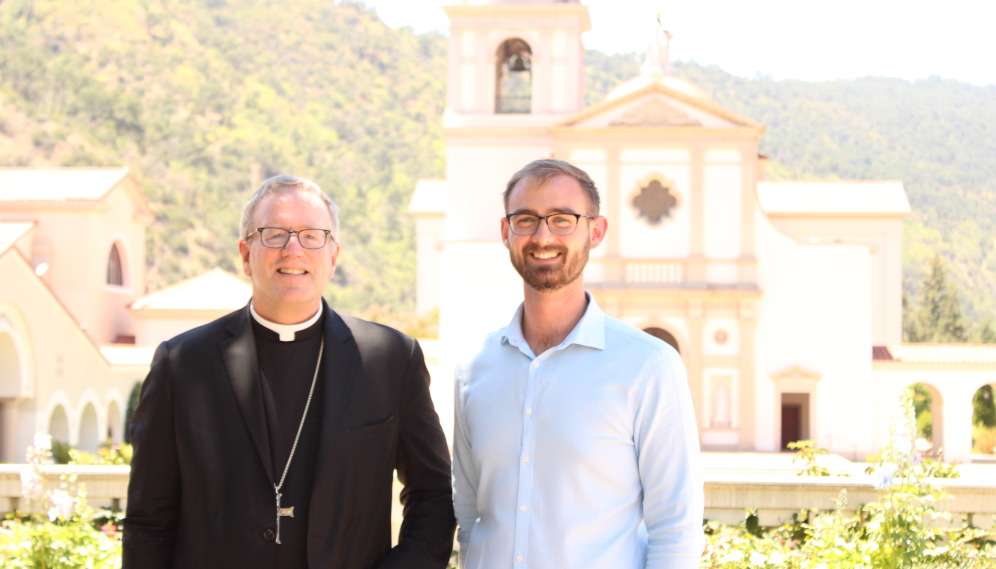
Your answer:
<point x="584" y="457"/>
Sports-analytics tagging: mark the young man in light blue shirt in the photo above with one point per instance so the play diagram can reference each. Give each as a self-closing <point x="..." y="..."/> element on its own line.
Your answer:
<point x="575" y="443"/>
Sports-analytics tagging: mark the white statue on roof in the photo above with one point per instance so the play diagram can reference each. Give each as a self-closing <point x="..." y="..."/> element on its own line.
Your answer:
<point x="657" y="62"/>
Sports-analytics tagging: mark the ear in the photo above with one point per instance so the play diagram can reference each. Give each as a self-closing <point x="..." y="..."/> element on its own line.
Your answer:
<point x="335" y="259"/>
<point x="504" y="231"/>
<point x="599" y="226"/>
<point x="244" y="252"/>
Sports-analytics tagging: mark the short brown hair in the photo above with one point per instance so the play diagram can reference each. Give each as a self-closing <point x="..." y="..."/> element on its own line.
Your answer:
<point x="541" y="171"/>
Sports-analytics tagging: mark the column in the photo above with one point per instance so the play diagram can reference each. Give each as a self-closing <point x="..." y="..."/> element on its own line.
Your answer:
<point x="748" y="321"/>
<point x="696" y="206"/>
<point x="610" y="206"/>
<point x="8" y="431"/>
<point x="693" y="360"/>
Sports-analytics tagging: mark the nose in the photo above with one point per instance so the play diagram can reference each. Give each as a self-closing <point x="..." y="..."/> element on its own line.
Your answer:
<point x="296" y="247"/>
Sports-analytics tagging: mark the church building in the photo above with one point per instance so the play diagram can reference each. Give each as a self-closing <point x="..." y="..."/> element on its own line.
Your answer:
<point x="77" y="331"/>
<point x="784" y="299"/>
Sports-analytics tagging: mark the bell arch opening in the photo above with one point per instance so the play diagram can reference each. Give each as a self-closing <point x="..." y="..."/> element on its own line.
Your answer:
<point x="514" y="77"/>
<point x="662" y="334"/>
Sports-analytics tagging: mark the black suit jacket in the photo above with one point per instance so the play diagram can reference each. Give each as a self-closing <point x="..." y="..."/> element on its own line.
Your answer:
<point x="201" y="490"/>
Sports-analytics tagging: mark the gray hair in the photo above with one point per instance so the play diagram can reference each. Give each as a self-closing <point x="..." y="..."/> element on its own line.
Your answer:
<point x="539" y="172"/>
<point x="280" y="183"/>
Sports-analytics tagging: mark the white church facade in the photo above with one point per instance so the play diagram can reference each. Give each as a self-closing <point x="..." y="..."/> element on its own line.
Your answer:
<point x="784" y="299"/>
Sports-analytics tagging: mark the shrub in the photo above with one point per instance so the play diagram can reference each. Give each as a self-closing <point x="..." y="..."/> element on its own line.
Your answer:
<point x="67" y="537"/>
<point x="983" y="439"/>
<point x="895" y="532"/>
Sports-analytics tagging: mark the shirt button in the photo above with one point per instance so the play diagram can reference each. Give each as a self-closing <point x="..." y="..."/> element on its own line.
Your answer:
<point x="522" y="508"/>
<point x="535" y="364"/>
<point x="268" y="535"/>
<point x="526" y="459"/>
<point x="519" y="559"/>
<point x="529" y="411"/>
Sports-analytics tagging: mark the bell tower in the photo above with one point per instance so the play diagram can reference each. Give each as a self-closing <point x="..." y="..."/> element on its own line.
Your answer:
<point x="509" y="59"/>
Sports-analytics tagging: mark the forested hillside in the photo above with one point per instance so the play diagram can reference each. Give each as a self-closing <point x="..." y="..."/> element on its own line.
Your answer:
<point x="205" y="98"/>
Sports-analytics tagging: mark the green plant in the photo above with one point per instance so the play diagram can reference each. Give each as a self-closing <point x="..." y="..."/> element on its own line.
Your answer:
<point x="807" y="453"/>
<point x="983" y="439"/>
<point x="65" y="536"/>
<point x="133" y="397"/>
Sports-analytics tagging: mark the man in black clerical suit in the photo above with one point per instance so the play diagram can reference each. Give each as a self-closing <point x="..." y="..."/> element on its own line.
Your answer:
<point x="269" y="437"/>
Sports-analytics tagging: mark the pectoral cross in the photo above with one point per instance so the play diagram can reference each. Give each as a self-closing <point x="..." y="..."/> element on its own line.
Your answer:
<point x="282" y="513"/>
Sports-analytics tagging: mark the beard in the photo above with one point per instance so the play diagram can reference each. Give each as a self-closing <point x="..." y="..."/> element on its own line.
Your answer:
<point x="551" y="277"/>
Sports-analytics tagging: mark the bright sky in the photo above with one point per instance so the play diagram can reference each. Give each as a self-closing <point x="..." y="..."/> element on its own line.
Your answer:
<point x="797" y="39"/>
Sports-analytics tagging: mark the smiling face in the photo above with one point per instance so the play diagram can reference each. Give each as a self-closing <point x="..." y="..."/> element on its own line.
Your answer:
<point x="287" y="283"/>
<point x="549" y="262"/>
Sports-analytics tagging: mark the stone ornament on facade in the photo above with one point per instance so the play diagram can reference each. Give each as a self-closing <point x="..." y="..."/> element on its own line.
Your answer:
<point x="721" y="337"/>
<point x="656" y="112"/>
<point x="655" y="199"/>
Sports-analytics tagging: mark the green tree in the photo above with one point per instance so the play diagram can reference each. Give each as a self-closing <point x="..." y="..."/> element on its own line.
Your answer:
<point x="922" y="403"/>
<point x="133" y="397"/>
<point x="938" y="316"/>
<point x="984" y="407"/>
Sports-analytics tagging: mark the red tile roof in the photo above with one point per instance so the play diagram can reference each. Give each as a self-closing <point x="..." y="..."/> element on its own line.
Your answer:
<point x="936" y="353"/>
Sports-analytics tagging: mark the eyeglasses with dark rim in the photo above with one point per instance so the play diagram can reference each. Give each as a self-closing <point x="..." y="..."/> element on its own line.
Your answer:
<point x="558" y="223"/>
<point x="277" y="238"/>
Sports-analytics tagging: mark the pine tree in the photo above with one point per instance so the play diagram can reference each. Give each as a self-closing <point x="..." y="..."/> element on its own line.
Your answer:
<point x="938" y="316"/>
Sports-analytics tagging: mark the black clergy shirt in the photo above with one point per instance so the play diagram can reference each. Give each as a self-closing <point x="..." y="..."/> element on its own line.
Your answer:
<point x="286" y="372"/>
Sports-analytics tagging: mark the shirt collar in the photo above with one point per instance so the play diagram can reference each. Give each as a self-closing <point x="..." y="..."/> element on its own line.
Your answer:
<point x="589" y="331"/>
<point x="287" y="332"/>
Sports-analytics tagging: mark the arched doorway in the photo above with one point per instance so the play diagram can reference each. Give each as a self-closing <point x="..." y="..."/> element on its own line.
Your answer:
<point x="514" y="77"/>
<point x="89" y="430"/>
<point x="984" y="420"/>
<point x="58" y="425"/>
<point x="663" y="334"/>
<point x="10" y="389"/>
<point x="928" y="404"/>
<point x="114" y="431"/>
<point x="10" y="367"/>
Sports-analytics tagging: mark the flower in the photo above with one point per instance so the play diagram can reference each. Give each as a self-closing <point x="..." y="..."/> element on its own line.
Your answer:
<point x="758" y="559"/>
<point x="43" y="441"/>
<point x="776" y="558"/>
<point x="32" y="485"/>
<point x="62" y="505"/>
<point x="733" y="556"/>
<point x="883" y="475"/>
<point x="923" y="445"/>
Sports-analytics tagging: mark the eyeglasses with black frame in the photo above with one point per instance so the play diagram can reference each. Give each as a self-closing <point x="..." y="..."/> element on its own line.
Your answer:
<point x="277" y="238"/>
<point x="558" y="223"/>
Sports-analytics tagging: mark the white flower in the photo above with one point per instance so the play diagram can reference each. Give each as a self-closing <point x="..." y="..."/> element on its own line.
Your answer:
<point x="62" y="505"/>
<point x="43" y="441"/>
<point x="32" y="485"/>
<point x="776" y="558"/>
<point x="757" y="558"/>
<point x="883" y="475"/>
<point x="733" y="556"/>
<point x="923" y="445"/>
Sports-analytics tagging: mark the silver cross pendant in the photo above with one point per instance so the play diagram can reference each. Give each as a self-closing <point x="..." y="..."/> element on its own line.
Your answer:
<point x="282" y="513"/>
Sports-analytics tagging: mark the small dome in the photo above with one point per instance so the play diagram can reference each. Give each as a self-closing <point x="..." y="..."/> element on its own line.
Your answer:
<point x="670" y="81"/>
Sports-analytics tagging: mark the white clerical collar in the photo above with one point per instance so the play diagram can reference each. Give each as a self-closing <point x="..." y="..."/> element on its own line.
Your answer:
<point x="285" y="331"/>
